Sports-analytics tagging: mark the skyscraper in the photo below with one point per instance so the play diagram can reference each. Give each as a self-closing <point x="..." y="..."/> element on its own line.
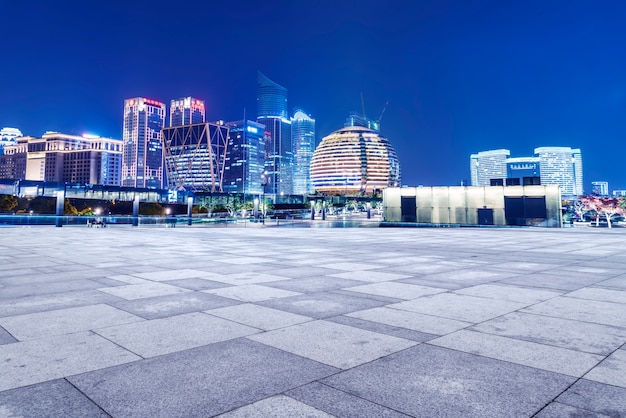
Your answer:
<point x="303" y="138"/>
<point x="272" y="112"/>
<point x="142" y="161"/>
<point x="7" y="137"/>
<point x="186" y="111"/>
<point x="488" y="165"/>
<point x="600" y="188"/>
<point x="245" y="157"/>
<point x="562" y="166"/>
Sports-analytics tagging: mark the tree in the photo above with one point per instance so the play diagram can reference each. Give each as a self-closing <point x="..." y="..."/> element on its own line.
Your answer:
<point x="8" y="202"/>
<point x="610" y="206"/>
<point x="592" y="203"/>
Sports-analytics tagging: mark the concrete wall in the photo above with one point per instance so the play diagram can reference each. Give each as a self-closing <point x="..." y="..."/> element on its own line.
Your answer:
<point x="459" y="205"/>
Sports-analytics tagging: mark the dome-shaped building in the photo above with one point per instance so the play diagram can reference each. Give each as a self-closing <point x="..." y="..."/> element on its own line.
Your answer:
<point x="354" y="160"/>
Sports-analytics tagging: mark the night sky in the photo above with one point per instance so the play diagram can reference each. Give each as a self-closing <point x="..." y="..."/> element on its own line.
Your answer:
<point x="460" y="76"/>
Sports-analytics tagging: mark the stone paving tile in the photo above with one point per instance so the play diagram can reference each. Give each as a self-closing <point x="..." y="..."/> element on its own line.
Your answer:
<point x="459" y="307"/>
<point x="599" y="312"/>
<point x="559" y="410"/>
<point x="511" y="293"/>
<point x="334" y="344"/>
<point x="176" y="333"/>
<point x="551" y="281"/>
<point x="407" y="334"/>
<point x="128" y="279"/>
<point x="246" y="260"/>
<point x="41" y="303"/>
<point x="304" y="271"/>
<point x="349" y="266"/>
<point x="279" y="406"/>
<point x="65" y="321"/>
<point x="560" y="332"/>
<point x="54" y="398"/>
<point x="523" y="266"/>
<point x="244" y="278"/>
<point x="540" y="356"/>
<point x="259" y="317"/>
<point x="429" y="381"/>
<point x="611" y="371"/>
<point x="144" y="290"/>
<point x="340" y="404"/>
<point x="372" y="276"/>
<point x="170" y="305"/>
<point x="426" y="268"/>
<point x="35" y="361"/>
<point x="36" y="289"/>
<point x="203" y="381"/>
<point x="396" y="290"/>
<point x="597" y="397"/>
<point x="197" y="284"/>
<point x="251" y="293"/>
<point x="314" y="284"/>
<point x="618" y="282"/>
<point x="322" y="305"/>
<point x="594" y="293"/>
<point x="163" y="275"/>
<point x="40" y="277"/>
<point x="5" y="337"/>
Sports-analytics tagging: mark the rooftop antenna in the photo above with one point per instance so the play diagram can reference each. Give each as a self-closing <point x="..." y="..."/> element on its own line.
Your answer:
<point x="382" y="112"/>
<point x="363" y="105"/>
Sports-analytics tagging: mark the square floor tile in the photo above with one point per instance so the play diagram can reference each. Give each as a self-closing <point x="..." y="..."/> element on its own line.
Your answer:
<point x="347" y="266"/>
<point x="144" y="290"/>
<point x="251" y="293"/>
<point x="611" y="371"/>
<point x="163" y="275"/>
<point x="396" y="290"/>
<point x="337" y="345"/>
<point x="512" y="293"/>
<point x="314" y="284"/>
<point x="323" y="305"/>
<point x="371" y="276"/>
<point x="249" y="277"/>
<point x="279" y="406"/>
<point x="607" y="313"/>
<point x="594" y="293"/>
<point x="259" y="316"/>
<point x="597" y="397"/>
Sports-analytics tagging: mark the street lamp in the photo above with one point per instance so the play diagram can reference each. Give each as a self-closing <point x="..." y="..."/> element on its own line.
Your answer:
<point x="265" y="179"/>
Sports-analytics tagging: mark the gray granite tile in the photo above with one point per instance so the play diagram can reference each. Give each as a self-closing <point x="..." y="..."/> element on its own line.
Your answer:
<point x="611" y="371"/>
<point x="204" y="381"/>
<point x="247" y="278"/>
<point x="144" y="290"/>
<point x="5" y="337"/>
<point x="314" y="284"/>
<point x="351" y="266"/>
<point x="407" y="334"/>
<point x="340" y="404"/>
<point x="512" y="293"/>
<point x="551" y="281"/>
<point x="163" y="275"/>
<point x="614" y="283"/>
<point x="411" y="320"/>
<point x="540" y="356"/>
<point x="428" y="381"/>
<point x="560" y="332"/>
<point x="459" y="307"/>
<point x="559" y="410"/>
<point x="371" y="276"/>
<point x="251" y="292"/>
<point x="36" y="361"/>
<point x="65" y="321"/>
<point x="279" y="406"/>
<point x="321" y="305"/>
<point x="197" y="284"/>
<point x="396" y="290"/>
<point x="594" y="293"/>
<point x="597" y="397"/>
<point x="304" y="271"/>
<point x="259" y="317"/>
<point x="56" y="398"/>
<point x="37" y="289"/>
<point x="599" y="312"/>
<point x="170" y="305"/>
<point x="177" y="333"/>
<point x="334" y="344"/>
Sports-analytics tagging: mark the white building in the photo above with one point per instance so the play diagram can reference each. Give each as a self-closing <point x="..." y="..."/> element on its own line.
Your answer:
<point x="600" y="188"/>
<point x="562" y="166"/>
<point x="7" y="137"/>
<point x="488" y="165"/>
<point x="303" y="139"/>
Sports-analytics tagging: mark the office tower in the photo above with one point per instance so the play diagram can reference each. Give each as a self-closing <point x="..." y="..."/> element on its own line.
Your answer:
<point x="142" y="161"/>
<point x="488" y="165"/>
<point x="354" y="160"/>
<point x="64" y="158"/>
<point x="195" y="156"/>
<point x="303" y="139"/>
<point x="186" y="111"/>
<point x="272" y="112"/>
<point x="600" y="188"/>
<point x="7" y="137"/>
<point x="245" y="157"/>
<point x="562" y="166"/>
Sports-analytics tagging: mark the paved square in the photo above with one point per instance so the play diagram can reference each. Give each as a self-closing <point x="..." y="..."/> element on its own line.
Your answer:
<point x="319" y="322"/>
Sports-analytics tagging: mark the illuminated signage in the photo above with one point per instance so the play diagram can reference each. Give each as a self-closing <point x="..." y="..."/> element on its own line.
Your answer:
<point x="252" y="129"/>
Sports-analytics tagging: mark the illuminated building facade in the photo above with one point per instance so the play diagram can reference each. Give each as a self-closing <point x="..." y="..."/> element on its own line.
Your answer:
<point x="186" y="111"/>
<point x="488" y="165"/>
<point x="64" y="158"/>
<point x="600" y="188"/>
<point x="272" y="112"/>
<point x="7" y="137"/>
<point x="562" y="166"/>
<point x="354" y="160"/>
<point x="245" y="157"/>
<point x="142" y="162"/>
<point x="303" y="139"/>
<point x="195" y="156"/>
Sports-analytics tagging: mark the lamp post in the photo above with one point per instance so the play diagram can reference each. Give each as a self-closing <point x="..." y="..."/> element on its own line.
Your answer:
<point x="265" y="179"/>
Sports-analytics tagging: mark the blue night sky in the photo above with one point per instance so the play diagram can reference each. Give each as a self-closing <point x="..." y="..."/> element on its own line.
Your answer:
<point x="461" y="76"/>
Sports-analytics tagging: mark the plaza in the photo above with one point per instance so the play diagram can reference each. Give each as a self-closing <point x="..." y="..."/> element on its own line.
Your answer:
<point x="312" y="322"/>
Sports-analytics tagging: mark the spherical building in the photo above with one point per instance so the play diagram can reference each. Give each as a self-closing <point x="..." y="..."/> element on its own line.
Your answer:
<point x="354" y="160"/>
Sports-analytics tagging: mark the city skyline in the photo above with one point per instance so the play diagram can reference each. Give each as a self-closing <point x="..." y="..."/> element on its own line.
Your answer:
<point x="459" y="77"/>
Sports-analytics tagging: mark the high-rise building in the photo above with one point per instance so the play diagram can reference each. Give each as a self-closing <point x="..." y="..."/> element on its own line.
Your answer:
<point x="303" y="139"/>
<point x="186" y="111"/>
<point x="7" y="137"/>
<point x="562" y="166"/>
<point x="195" y="156"/>
<point x="142" y="161"/>
<point x="245" y="157"/>
<point x="64" y="158"/>
<point x="272" y="112"/>
<point x="488" y="165"/>
<point x="600" y="188"/>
